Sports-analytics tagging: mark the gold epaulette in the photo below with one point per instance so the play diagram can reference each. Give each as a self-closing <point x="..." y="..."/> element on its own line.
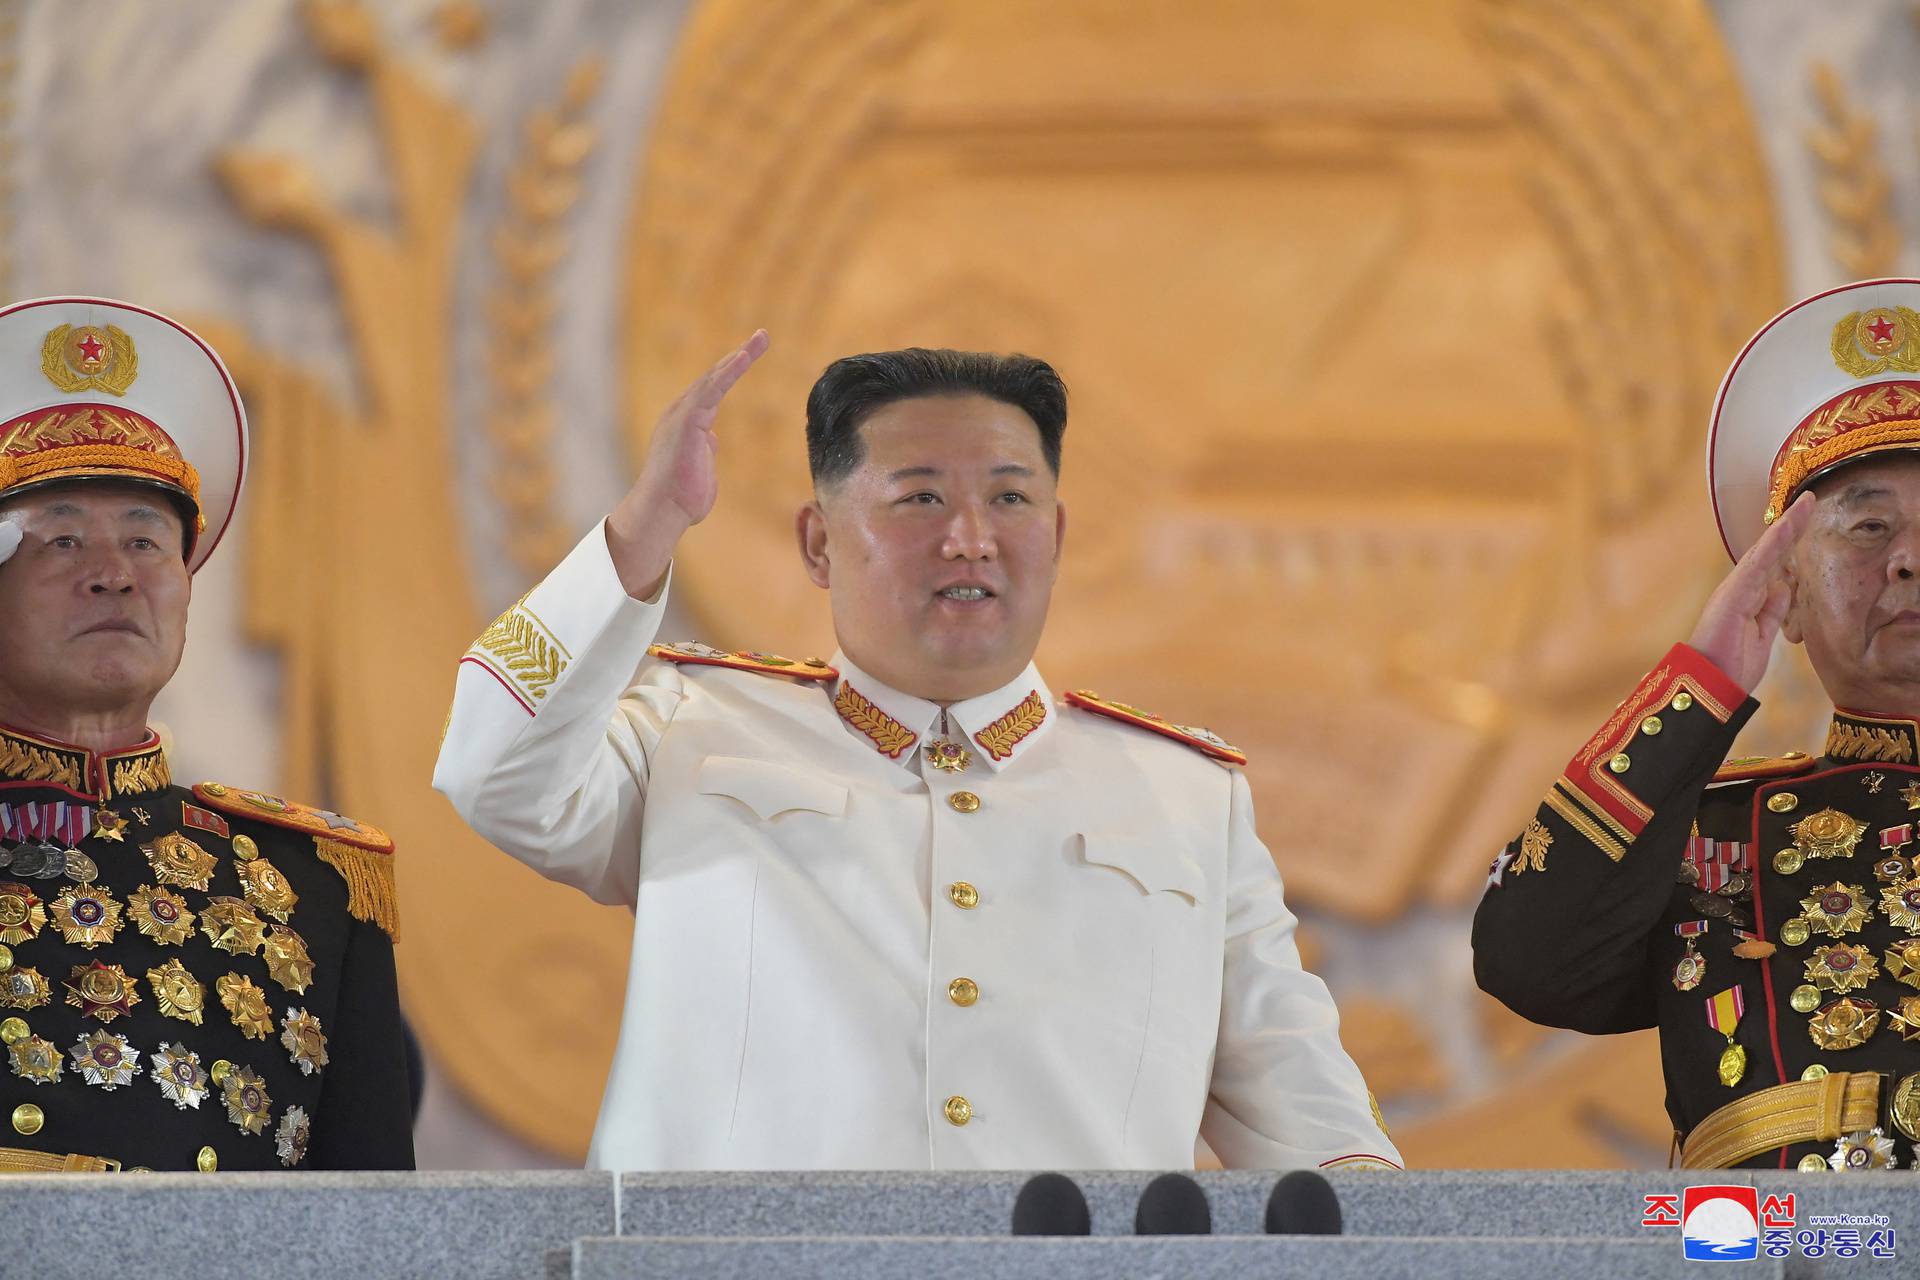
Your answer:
<point x="360" y="852"/>
<point x="767" y="664"/>
<point x="1203" y="740"/>
<point x="1749" y="768"/>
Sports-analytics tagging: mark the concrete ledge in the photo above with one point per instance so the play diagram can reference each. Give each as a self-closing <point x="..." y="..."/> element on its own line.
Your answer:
<point x="242" y="1226"/>
<point x="1207" y="1258"/>
<point x="1516" y="1203"/>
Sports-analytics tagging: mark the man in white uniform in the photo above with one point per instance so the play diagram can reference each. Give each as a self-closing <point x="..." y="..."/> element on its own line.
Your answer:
<point x="904" y="909"/>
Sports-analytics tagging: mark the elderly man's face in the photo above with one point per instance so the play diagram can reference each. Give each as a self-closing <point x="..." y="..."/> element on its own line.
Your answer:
<point x="93" y="605"/>
<point x="1856" y="586"/>
<point x="942" y="547"/>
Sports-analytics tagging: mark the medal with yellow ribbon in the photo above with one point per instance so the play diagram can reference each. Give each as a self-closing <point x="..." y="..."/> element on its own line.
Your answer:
<point x="1723" y="1015"/>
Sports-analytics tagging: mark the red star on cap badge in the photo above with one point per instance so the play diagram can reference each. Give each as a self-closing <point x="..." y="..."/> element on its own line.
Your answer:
<point x="1881" y="329"/>
<point x="92" y="348"/>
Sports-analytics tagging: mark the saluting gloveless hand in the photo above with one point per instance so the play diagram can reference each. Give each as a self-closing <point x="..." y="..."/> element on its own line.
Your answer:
<point x="1736" y="630"/>
<point x="680" y="480"/>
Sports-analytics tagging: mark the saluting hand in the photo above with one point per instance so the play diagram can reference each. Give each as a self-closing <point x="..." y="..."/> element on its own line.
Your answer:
<point x="679" y="482"/>
<point x="1743" y="615"/>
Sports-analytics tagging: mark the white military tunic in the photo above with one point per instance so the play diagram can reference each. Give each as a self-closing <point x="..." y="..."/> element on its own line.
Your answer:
<point x="808" y="893"/>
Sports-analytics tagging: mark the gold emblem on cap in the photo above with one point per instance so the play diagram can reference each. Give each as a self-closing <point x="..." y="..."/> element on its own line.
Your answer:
<point x="89" y="358"/>
<point x="1879" y="340"/>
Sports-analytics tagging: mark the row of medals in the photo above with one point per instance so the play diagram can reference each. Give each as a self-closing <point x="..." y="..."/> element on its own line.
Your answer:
<point x="1837" y="1019"/>
<point x="87" y="915"/>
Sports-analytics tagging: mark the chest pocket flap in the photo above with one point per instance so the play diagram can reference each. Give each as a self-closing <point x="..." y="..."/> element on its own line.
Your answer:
<point x="1149" y="864"/>
<point x="769" y="789"/>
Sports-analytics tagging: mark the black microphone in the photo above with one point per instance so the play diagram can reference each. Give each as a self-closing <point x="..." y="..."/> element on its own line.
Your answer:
<point x="1303" y="1204"/>
<point x="1051" y="1205"/>
<point x="1173" y="1205"/>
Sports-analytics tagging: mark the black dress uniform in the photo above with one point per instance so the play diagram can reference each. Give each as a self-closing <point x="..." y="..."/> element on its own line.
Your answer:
<point x="191" y="978"/>
<point x="1764" y="915"/>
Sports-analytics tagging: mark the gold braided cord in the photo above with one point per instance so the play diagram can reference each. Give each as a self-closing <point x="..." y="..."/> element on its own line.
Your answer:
<point x="371" y="893"/>
<point x="888" y="734"/>
<point x="1577" y="818"/>
<point x="1800" y="464"/>
<point x="1003" y="735"/>
<point x="1868" y="742"/>
<point x="37" y="764"/>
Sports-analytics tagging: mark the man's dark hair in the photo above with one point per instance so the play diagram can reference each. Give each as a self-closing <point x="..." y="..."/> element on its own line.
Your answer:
<point x="853" y="388"/>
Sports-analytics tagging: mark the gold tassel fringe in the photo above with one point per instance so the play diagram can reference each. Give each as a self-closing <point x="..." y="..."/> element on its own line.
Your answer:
<point x="371" y="894"/>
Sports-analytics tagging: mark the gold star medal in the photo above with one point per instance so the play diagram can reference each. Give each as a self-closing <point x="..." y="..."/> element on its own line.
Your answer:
<point x="1841" y="968"/>
<point x="948" y="756"/>
<point x="1903" y="962"/>
<point x="1827" y="834"/>
<point x="290" y="1139"/>
<point x="177" y="992"/>
<point x="160" y="914"/>
<point x="1723" y="1015"/>
<point x="178" y="861"/>
<point x="22" y="914"/>
<point x="1836" y="909"/>
<point x="264" y="886"/>
<point x="182" y="1080"/>
<point x="108" y="825"/>
<point x="100" y="990"/>
<point x="1692" y="967"/>
<point x="1905" y="1019"/>
<point x="22" y="987"/>
<point x="245" y="1094"/>
<point x="1901" y="901"/>
<point x="287" y="961"/>
<point x="86" y="915"/>
<point x="35" y="1060"/>
<point x="1844" y="1024"/>
<point x="306" y="1044"/>
<point x="231" y="926"/>
<point x="105" y="1059"/>
<point x="246" y="1004"/>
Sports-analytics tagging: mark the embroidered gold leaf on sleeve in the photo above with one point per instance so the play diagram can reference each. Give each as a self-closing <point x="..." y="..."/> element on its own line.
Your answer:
<point x="522" y="650"/>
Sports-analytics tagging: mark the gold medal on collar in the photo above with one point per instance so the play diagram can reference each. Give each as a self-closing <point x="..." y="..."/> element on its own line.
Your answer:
<point x="948" y="756"/>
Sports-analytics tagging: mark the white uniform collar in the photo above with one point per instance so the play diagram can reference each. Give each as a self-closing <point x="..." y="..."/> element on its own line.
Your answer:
<point x="994" y="728"/>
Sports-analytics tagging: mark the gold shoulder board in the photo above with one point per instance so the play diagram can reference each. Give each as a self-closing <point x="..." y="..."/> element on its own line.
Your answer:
<point x="1203" y="740"/>
<point x="361" y="853"/>
<point x="1748" y="768"/>
<point x="767" y="664"/>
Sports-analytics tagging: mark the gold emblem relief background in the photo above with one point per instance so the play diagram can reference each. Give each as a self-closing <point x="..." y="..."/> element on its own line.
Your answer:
<point x="1390" y="346"/>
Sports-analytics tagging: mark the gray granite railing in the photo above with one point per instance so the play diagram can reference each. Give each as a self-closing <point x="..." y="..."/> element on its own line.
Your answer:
<point x="1482" y="1224"/>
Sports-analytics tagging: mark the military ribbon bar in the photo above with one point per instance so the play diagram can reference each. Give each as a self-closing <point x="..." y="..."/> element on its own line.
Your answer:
<point x="1716" y="861"/>
<point x="60" y="820"/>
<point x="1897" y="838"/>
<point x="1690" y="928"/>
<point x="1724" y="1010"/>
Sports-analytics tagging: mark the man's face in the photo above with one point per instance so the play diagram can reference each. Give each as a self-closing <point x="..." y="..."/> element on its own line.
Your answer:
<point x="941" y="547"/>
<point x="93" y="605"/>
<point x="1856" y="585"/>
